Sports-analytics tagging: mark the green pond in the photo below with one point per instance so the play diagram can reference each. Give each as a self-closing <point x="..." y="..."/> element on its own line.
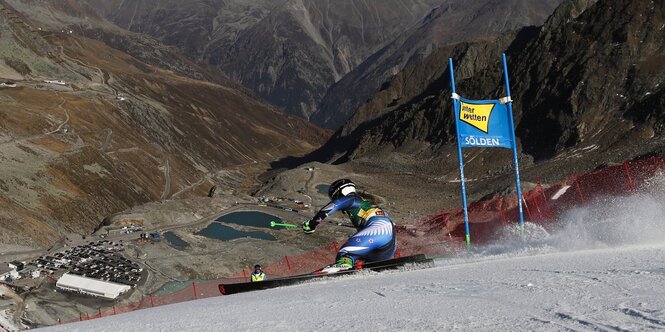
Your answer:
<point x="219" y="229"/>
<point x="250" y="218"/>
<point x="222" y="232"/>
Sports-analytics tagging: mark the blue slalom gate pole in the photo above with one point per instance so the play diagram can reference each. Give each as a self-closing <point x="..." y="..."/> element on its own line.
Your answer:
<point x="460" y="157"/>
<point x="512" y="133"/>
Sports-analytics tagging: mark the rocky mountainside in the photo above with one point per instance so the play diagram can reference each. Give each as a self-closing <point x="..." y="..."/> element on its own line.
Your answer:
<point x="92" y="127"/>
<point x="452" y="22"/>
<point x="589" y="89"/>
<point x="287" y="51"/>
<point x="83" y="20"/>
<point x="202" y="29"/>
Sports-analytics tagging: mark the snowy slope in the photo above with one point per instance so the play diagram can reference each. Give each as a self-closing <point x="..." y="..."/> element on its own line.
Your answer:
<point x="601" y="269"/>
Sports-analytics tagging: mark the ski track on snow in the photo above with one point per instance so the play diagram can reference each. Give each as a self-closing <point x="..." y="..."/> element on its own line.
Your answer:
<point x="589" y="290"/>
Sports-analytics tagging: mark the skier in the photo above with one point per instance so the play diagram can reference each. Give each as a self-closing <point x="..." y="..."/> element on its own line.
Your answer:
<point x="258" y="274"/>
<point x="375" y="239"/>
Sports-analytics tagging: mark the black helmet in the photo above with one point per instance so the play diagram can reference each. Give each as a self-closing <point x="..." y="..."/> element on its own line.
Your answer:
<point x="341" y="188"/>
<point x="257" y="267"/>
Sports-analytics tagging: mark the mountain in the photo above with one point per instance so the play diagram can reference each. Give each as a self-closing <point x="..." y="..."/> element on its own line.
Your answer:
<point x="94" y="127"/>
<point x="82" y="19"/>
<point x="598" y="81"/>
<point x="453" y="21"/>
<point x="287" y="51"/>
<point x="588" y="89"/>
<point x="201" y="28"/>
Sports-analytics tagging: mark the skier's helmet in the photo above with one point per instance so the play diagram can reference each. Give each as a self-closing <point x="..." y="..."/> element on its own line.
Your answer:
<point x="341" y="188"/>
<point x="257" y="267"/>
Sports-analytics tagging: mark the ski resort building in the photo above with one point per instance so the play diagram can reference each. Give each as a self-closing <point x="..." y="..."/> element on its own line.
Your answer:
<point x="16" y="265"/>
<point x="94" y="287"/>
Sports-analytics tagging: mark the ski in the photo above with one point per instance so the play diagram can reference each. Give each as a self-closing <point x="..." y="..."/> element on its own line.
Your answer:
<point x="391" y="264"/>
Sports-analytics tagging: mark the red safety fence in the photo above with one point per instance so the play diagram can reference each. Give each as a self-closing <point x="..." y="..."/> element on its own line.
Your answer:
<point x="442" y="233"/>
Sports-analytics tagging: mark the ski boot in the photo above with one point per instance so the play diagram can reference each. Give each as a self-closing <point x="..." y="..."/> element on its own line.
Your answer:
<point x="345" y="263"/>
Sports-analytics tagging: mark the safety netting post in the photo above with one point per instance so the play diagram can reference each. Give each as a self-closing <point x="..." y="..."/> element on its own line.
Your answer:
<point x="534" y="199"/>
<point x="526" y="207"/>
<point x="548" y="210"/>
<point x="631" y="184"/>
<point x="194" y="288"/>
<point x="502" y="214"/>
<point x="288" y="264"/>
<point x="579" y="188"/>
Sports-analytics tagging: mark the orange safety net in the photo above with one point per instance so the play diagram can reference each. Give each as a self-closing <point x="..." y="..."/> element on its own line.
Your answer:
<point x="442" y="233"/>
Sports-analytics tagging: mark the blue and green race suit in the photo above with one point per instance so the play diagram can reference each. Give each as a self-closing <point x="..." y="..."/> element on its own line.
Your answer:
<point x="375" y="239"/>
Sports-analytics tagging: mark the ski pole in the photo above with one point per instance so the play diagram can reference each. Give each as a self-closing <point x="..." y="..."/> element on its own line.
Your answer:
<point x="274" y="224"/>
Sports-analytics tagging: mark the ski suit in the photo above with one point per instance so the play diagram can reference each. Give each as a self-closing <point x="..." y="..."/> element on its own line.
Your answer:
<point x="375" y="239"/>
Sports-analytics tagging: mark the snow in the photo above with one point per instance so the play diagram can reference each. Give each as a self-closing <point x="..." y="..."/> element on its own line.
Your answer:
<point x="560" y="192"/>
<point x="602" y="267"/>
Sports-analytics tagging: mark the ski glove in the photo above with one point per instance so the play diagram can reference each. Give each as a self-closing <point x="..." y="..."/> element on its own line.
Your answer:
<point x="308" y="227"/>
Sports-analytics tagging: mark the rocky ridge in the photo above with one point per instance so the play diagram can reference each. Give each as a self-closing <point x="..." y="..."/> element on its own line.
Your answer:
<point x="288" y="52"/>
<point x="453" y="21"/>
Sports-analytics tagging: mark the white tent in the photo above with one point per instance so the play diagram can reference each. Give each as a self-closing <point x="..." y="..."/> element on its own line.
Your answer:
<point x="91" y="286"/>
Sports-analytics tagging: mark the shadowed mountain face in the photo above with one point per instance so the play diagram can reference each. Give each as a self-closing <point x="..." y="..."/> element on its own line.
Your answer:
<point x="120" y="129"/>
<point x="203" y="29"/>
<point x="589" y="88"/>
<point x="452" y="22"/>
<point x="287" y="51"/>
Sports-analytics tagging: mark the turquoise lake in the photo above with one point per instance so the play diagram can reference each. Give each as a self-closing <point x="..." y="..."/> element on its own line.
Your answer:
<point x="219" y="229"/>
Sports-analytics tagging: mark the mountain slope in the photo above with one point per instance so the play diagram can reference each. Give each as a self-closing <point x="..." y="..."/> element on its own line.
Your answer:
<point x="452" y="22"/>
<point x="593" y="96"/>
<point x="288" y="52"/>
<point x="119" y="131"/>
<point x="587" y="89"/>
